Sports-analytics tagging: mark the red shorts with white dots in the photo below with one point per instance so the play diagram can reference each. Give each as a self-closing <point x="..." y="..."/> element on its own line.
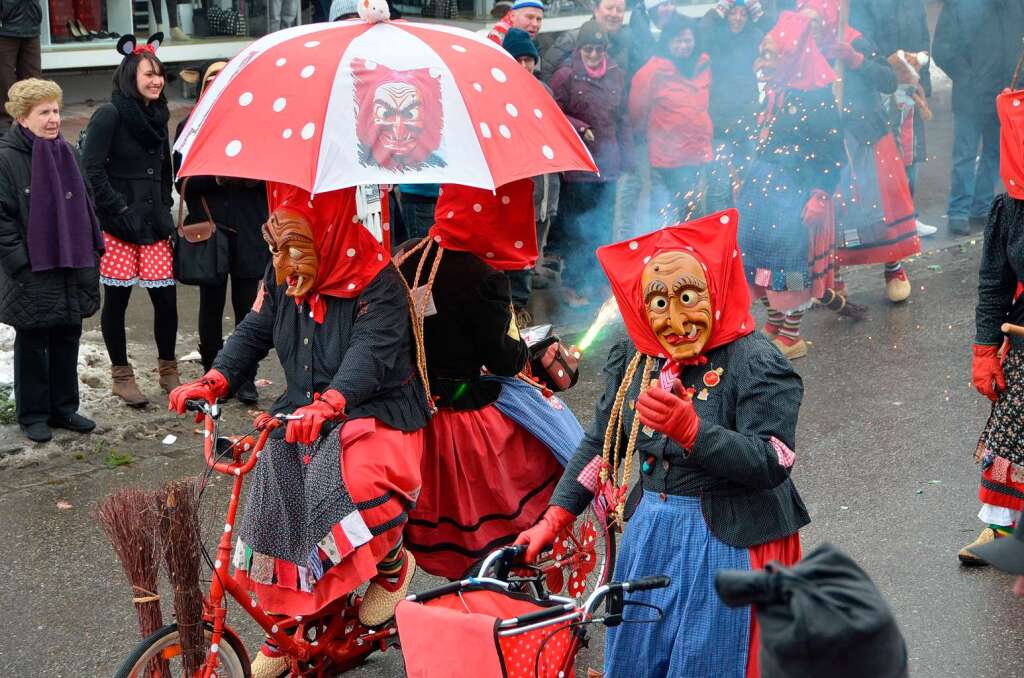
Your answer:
<point x="125" y="264"/>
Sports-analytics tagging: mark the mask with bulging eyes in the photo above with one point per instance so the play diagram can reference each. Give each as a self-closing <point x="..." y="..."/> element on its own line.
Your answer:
<point x="678" y="303"/>
<point x="290" y="237"/>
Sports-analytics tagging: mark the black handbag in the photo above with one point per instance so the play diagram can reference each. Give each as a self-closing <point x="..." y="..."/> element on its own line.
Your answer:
<point x="202" y="254"/>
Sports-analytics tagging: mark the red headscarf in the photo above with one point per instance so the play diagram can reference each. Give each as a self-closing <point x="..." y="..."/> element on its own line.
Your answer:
<point x="1010" y="106"/>
<point x="349" y="255"/>
<point x="712" y="241"/>
<point x="497" y="226"/>
<point x="801" y="65"/>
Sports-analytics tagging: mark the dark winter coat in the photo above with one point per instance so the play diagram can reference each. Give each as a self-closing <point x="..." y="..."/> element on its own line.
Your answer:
<point x="130" y="179"/>
<point x="20" y="18"/>
<point x="53" y="298"/>
<point x="745" y="492"/>
<point x="239" y="206"/>
<point x="1002" y="266"/>
<point x="362" y="349"/>
<point x="600" y="106"/>
<point x="863" y="116"/>
<point x="563" y="50"/>
<point x="470" y="329"/>
<point x="734" y="91"/>
<point x="804" y="137"/>
<point x="978" y="44"/>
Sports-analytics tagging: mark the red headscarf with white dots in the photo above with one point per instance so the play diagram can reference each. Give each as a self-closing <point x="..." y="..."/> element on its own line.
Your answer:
<point x="801" y="64"/>
<point x="497" y="226"/>
<point x="712" y="241"/>
<point x="350" y="255"/>
<point x="1010" y="106"/>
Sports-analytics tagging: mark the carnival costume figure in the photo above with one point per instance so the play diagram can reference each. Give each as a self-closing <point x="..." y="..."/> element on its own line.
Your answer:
<point x="997" y="369"/>
<point x="875" y="215"/>
<point x="489" y="460"/>
<point x="329" y="499"/>
<point x="788" y="230"/>
<point x="709" y="407"/>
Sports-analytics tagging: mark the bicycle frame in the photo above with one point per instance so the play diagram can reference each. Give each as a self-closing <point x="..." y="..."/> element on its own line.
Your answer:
<point x="295" y="646"/>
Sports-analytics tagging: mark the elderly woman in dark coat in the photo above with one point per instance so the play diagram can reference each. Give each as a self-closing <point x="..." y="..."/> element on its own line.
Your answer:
<point x="239" y="207"/>
<point x="49" y="251"/>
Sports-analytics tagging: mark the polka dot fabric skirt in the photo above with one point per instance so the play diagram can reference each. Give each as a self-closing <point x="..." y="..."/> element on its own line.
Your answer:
<point x="125" y="264"/>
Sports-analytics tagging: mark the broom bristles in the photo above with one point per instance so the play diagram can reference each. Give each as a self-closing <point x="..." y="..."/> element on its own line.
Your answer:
<point x="179" y="529"/>
<point x="129" y="520"/>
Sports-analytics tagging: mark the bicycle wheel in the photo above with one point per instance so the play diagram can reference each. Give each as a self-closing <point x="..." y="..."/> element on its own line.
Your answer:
<point x="582" y="558"/>
<point x="165" y="645"/>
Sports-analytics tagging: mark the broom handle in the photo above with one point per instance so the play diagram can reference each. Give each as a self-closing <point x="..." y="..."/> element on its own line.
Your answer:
<point x="1016" y="72"/>
<point x="839" y="90"/>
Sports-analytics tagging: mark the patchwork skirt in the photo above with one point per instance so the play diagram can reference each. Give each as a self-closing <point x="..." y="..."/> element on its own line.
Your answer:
<point x="318" y="518"/>
<point x="1001" y="445"/>
<point x="699" y="636"/>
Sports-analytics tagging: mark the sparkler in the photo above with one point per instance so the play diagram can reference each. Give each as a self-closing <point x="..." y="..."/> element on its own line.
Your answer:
<point x="609" y="311"/>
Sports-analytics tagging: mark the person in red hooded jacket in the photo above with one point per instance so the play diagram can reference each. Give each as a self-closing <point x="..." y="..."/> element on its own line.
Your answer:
<point x="668" y="111"/>
<point x="329" y="496"/>
<point x="997" y="369"/>
<point x="708" y="407"/>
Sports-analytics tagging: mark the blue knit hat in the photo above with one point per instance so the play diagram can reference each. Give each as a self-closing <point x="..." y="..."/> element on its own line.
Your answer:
<point x="517" y="43"/>
<point x="522" y="4"/>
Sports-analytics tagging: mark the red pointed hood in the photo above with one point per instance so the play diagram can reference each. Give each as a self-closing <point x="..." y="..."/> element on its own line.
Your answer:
<point x="712" y="241"/>
<point x="1010" y="106"/>
<point x="349" y="255"/>
<point x="801" y="65"/>
<point x="497" y="226"/>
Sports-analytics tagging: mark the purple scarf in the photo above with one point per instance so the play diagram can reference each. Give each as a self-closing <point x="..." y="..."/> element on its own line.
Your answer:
<point x="63" y="231"/>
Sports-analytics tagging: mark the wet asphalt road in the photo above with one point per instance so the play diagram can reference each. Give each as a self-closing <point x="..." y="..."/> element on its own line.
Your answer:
<point x="883" y="461"/>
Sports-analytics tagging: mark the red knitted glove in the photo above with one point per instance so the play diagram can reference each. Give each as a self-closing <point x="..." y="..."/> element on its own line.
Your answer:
<point x="815" y="208"/>
<point x="542" y="535"/>
<point x="670" y="414"/>
<point x="845" y="52"/>
<point x="325" y="407"/>
<point x="211" y="386"/>
<point x="987" y="371"/>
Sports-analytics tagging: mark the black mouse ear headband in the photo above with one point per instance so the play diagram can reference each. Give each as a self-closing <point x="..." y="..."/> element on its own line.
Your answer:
<point x="127" y="45"/>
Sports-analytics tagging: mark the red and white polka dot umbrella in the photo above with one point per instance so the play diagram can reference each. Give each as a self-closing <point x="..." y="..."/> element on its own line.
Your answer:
<point x="329" y="106"/>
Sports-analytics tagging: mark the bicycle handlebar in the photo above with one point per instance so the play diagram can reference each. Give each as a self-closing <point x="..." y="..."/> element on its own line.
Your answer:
<point x="646" y="583"/>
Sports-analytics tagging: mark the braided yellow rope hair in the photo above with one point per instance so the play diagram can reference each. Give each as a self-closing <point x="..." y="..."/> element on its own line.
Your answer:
<point x="418" y="306"/>
<point x="613" y="435"/>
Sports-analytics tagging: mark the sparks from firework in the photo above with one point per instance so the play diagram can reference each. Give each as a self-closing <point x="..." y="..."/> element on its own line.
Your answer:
<point x="609" y="312"/>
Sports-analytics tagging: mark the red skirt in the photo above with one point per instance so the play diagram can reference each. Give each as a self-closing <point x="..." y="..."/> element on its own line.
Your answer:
<point x="376" y="461"/>
<point x="877" y="218"/>
<point x="485" y="480"/>
<point x="787" y="552"/>
<point x="1002" y="485"/>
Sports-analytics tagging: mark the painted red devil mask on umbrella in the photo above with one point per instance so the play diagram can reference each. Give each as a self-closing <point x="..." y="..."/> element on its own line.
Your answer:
<point x="1010" y="106"/>
<point x="319" y="247"/>
<point x="399" y="117"/>
<point x="497" y="226"/>
<point x="681" y="290"/>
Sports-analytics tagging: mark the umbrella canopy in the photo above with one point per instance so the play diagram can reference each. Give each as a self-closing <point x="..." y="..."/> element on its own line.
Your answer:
<point x="329" y="106"/>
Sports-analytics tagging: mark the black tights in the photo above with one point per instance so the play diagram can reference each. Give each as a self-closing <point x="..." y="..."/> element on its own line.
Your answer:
<point x="211" y="310"/>
<point x="165" y="321"/>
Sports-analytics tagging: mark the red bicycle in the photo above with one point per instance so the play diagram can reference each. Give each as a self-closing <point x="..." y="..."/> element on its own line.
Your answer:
<point x="317" y="646"/>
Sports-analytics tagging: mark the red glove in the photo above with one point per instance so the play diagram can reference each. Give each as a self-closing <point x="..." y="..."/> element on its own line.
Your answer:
<point x="987" y="371"/>
<point x="670" y="414"/>
<point x="325" y="407"/>
<point x="847" y="54"/>
<point x="213" y="385"/>
<point x="816" y="208"/>
<point x="542" y="535"/>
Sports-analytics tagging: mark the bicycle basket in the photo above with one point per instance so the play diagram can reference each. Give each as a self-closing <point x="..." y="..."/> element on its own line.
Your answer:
<point x="456" y="635"/>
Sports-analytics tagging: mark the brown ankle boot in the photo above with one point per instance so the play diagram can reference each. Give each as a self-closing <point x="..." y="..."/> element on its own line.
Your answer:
<point x="168" y="374"/>
<point x="124" y="386"/>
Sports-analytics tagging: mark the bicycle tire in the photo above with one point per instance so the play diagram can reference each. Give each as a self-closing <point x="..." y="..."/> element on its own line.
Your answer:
<point x="231" y="654"/>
